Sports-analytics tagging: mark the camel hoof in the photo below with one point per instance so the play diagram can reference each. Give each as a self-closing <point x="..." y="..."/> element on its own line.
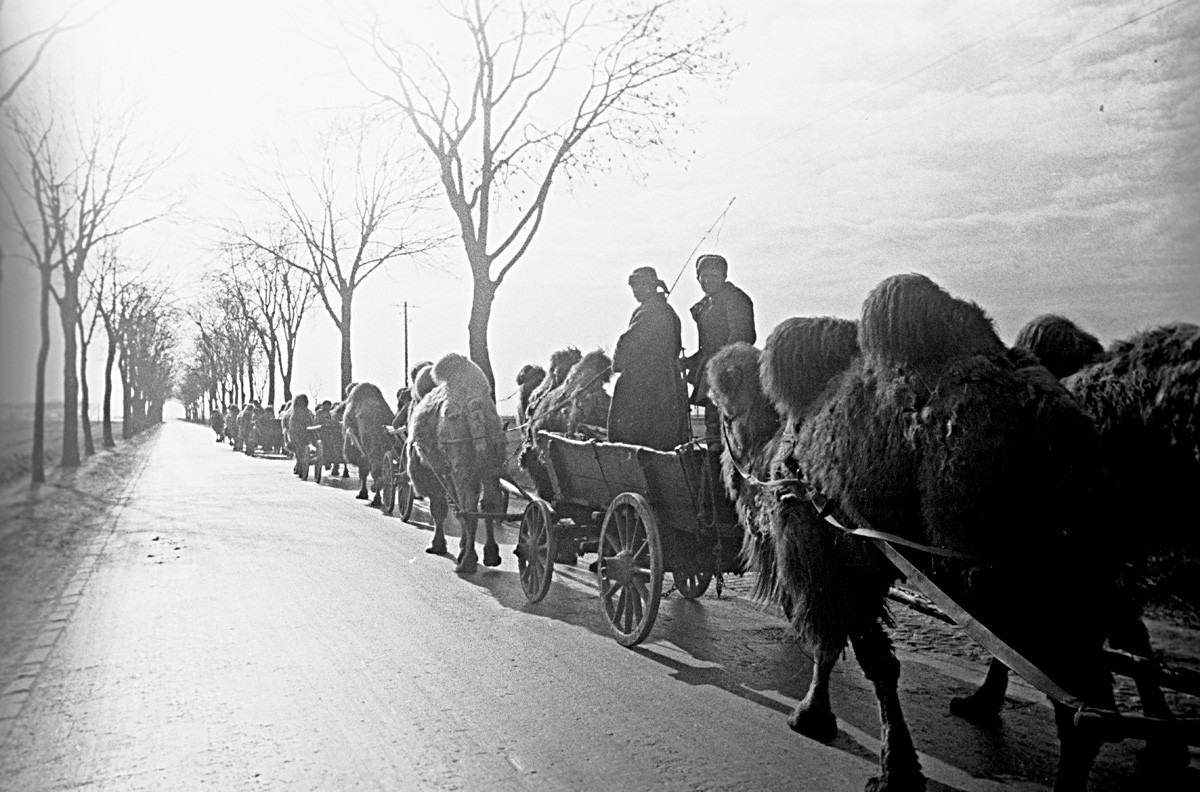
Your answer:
<point x="361" y="496"/>
<point x="438" y="547"/>
<point x="468" y="565"/>
<point x="491" y="555"/>
<point x="976" y="708"/>
<point x="897" y="782"/>
<point x="814" y="724"/>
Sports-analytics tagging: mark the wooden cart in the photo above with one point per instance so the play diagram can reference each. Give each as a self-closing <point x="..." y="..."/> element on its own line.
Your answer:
<point x="643" y="512"/>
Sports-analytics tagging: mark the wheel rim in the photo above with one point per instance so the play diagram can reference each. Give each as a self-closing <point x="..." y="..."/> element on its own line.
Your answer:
<point x="692" y="583"/>
<point x="388" y="490"/>
<point x="630" y="569"/>
<point x="405" y="496"/>
<point x="535" y="550"/>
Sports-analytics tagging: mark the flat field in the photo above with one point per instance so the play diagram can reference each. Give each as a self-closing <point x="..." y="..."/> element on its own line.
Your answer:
<point x="16" y="438"/>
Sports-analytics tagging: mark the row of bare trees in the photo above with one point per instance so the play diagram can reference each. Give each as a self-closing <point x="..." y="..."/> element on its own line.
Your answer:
<point x="250" y="316"/>
<point x="550" y="90"/>
<point x="66" y="185"/>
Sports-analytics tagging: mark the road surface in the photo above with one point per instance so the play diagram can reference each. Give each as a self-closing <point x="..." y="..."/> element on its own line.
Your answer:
<point x="227" y="626"/>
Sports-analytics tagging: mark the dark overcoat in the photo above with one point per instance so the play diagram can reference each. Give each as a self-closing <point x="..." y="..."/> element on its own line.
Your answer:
<point x="649" y="402"/>
<point x="721" y="319"/>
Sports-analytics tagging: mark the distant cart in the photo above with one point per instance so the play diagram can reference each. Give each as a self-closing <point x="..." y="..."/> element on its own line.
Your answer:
<point x="643" y="512"/>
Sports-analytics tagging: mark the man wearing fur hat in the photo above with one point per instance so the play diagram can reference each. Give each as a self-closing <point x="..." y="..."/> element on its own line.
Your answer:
<point x="725" y="315"/>
<point x="649" y="401"/>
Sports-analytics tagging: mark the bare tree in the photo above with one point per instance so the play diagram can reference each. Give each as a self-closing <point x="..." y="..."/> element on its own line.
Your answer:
<point x="19" y="57"/>
<point x="551" y="87"/>
<point x="87" y="319"/>
<point x="359" y="210"/>
<point x="276" y="296"/>
<point x="77" y="182"/>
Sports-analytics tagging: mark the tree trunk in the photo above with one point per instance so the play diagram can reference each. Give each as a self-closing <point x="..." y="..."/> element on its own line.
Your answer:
<point x="271" y="375"/>
<point x="89" y="444"/>
<point x="39" y="390"/>
<point x="347" y="369"/>
<point x="67" y="309"/>
<point x="477" y="327"/>
<point x="127" y="430"/>
<point x="108" y="367"/>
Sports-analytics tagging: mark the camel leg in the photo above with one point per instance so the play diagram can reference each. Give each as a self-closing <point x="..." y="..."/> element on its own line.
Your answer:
<point x="438" y="509"/>
<point x="362" y="481"/>
<point x="376" y="479"/>
<point x="1160" y="758"/>
<point x="898" y="758"/>
<point x="493" y="499"/>
<point x="1076" y="752"/>
<point x="985" y="703"/>
<point x="468" y="559"/>
<point x="813" y="717"/>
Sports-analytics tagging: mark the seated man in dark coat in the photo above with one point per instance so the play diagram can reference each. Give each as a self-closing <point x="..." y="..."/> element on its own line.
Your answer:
<point x="725" y="315"/>
<point x="649" y="402"/>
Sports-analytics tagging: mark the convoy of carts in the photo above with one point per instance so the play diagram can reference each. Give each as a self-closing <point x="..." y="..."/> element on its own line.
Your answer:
<point x="645" y="513"/>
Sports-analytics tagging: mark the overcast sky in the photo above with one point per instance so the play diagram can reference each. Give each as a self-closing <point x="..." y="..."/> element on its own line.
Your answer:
<point x="1031" y="156"/>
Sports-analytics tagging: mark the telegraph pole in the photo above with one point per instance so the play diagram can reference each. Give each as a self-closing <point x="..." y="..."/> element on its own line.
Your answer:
<point x="405" y="306"/>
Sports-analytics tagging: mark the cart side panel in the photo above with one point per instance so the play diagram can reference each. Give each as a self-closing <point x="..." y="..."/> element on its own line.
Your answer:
<point x="590" y="473"/>
<point x="670" y="490"/>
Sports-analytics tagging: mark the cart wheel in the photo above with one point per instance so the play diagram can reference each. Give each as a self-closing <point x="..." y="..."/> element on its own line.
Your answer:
<point x="535" y="550"/>
<point x="388" y="490"/>
<point x="319" y="462"/>
<point x="630" y="568"/>
<point x="692" y="583"/>
<point x="405" y="496"/>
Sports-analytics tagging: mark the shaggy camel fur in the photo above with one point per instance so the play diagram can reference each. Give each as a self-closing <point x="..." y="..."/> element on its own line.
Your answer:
<point x="1143" y="396"/>
<point x="366" y="413"/>
<point x="299" y="418"/>
<point x="528" y="378"/>
<point x="331" y="439"/>
<point x="560" y="364"/>
<point x="579" y="401"/>
<point x="1059" y="344"/>
<point x="927" y="434"/>
<point x="456" y="454"/>
<point x="578" y="405"/>
<point x="231" y="424"/>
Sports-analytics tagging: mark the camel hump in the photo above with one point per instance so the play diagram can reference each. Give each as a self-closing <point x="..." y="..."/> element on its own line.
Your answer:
<point x="1059" y="344"/>
<point x="364" y="392"/>
<point x="802" y="355"/>
<point x="459" y="373"/>
<point x="909" y="318"/>
<point x="733" y="377"/>
<point x="592" y="367"/>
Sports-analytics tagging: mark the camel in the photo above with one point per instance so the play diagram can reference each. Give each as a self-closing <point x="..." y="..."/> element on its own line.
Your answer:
<point x="365" y="414"/>
<point x="331" y="439"/>
<point x="231" y="425"/>
<point x="1143" y="395"/>
<point x="216" y="422"/>
<point x="561" y="362"/>
<point x="456" y="454"/>
<point x="926" y="433"/>
<point x="578" y="405"/>
<point x="528" y="378"/>
<point x="299" y="418"/>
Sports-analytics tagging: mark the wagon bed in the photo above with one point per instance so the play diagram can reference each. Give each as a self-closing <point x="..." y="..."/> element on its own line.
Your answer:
<point x="644" y="512"/>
